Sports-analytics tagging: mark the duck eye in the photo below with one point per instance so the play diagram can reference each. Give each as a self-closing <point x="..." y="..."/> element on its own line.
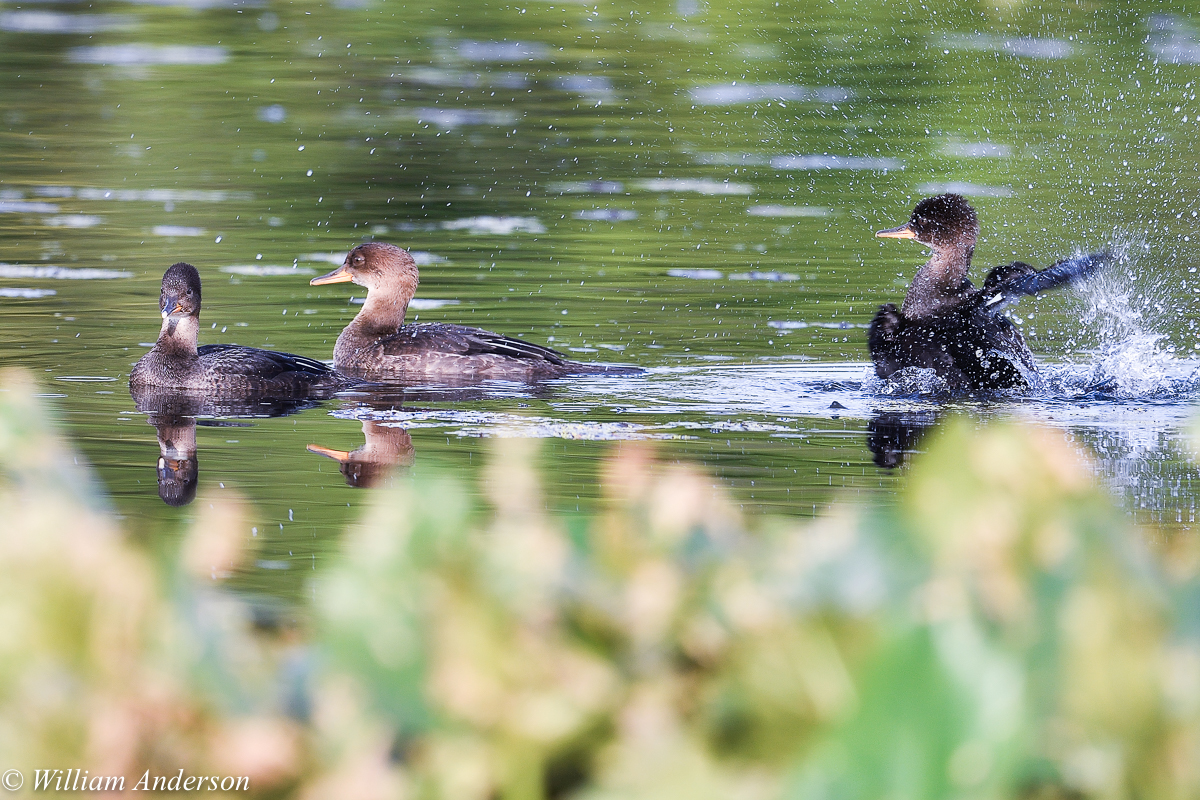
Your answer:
<point x="358" y="259"/>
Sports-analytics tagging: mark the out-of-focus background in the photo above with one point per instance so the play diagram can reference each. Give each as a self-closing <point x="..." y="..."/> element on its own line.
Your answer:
<point x="689" y="187"/>
<point x="1002" y="630"/>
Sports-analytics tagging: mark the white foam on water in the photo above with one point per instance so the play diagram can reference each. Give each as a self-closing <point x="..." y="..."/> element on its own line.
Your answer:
<point x="424" y="258"/>
<point x="451" y="118"/>
<point x="324" y="258"/>
<point x="273" y="114"/>
<point x="589" y="85"/>
<point x="27" y="207"/>
<point x="498" y="226"/>
<point x="770" y="210"/>
<point x="964" y="188"/>
<point x="73" y="221"/>
<point x="1022" y="47"/>
<point x="140" y="195"/>
<point x="826" y="161"/>
<point x="57" y="22"/>
<point x="128" y="55"/>
<point x="704" y="186"/>
<point x="789" y="325"/>
<point x="176" y="230"/>
<point x="728" y="94"/>
<point x="606" y="214"/>
<point x="26" y="294"/>
<point x="697" y="274"/>
<point x="266" y="270"/>
<point x="51" y="272"/>
<point x="425" y="303"/>
<point x="474" y="50"/>
<point x="764" y="275"/>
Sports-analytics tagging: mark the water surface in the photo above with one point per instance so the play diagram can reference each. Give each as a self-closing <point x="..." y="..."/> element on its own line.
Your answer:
<point x="687" y="187"/>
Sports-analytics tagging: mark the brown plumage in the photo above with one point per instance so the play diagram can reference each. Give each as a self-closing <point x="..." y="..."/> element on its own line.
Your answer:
<point x="386" y="447"/>
<point x="377" y="343"/>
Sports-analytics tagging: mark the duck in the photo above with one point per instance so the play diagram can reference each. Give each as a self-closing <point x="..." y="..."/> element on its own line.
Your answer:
<point x="377" y="344"/>
<point x="176" y="362"/>
<point x="385" y="448"/>
<point x="949" y="325"/>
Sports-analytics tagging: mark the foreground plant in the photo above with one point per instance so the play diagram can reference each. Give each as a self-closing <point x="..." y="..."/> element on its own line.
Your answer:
<point x="998" y="631"/>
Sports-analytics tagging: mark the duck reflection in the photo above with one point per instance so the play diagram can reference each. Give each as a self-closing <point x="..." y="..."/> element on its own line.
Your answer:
<point x="894" y="435"/>
<point x="387" y="448"/>
<point x="178" y="467"/>
<point x="174" y="412"/>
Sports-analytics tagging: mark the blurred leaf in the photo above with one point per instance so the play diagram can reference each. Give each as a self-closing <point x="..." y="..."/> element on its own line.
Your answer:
<point x="1001" y="630"/>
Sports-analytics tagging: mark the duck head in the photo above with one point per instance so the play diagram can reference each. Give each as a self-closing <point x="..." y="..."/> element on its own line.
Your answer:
<point x="376" y="265"/>
<point x="180" y="296"/>
<point x="940" y="222"/>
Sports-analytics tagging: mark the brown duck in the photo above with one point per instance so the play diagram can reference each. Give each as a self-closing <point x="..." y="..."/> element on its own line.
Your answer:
<point x="378" y="345"/>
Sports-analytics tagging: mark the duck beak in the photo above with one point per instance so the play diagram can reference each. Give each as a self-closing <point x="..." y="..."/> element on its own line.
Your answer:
<point x="170" y="306"/>
<point x="341" y="456"/>
<point x="339" y="275"/>
<point x="899" y="232"/>
<point x="171" y="465"/>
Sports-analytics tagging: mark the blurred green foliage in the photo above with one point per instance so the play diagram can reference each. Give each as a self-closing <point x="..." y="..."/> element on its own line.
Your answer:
<point x="1003" y="631"/>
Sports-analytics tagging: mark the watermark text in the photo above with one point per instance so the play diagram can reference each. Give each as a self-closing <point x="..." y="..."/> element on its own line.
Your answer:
<point x="80" y="780"/>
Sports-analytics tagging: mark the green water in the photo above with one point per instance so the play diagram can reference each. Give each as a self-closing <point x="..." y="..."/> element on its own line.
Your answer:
<point x="614" y="143"/>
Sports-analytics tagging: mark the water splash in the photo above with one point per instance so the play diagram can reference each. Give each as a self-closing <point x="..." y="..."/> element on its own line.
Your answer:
<point x="1123" y="347"/>
<point x="1128" y="306"/>
<point x="910" y="382"/>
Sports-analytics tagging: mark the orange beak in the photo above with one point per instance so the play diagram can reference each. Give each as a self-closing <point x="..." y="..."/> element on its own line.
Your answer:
<point x="899" y="232"/>
<point x="337" y="455"/>
<point x="339" y="275"/>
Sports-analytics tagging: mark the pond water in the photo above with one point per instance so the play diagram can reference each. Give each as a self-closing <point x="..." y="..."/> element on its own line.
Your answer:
<point x="683" y="186"/>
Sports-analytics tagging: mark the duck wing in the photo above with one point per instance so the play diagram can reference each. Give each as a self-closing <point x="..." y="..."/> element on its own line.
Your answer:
<point x="435" y="337"/>
<point x="233" y="359"/>
<point x="1007" y="284"/>
<point x="969" y="347"/>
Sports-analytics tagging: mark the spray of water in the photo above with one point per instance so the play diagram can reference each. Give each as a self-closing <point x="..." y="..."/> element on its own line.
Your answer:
<point x="1128" y="306"/>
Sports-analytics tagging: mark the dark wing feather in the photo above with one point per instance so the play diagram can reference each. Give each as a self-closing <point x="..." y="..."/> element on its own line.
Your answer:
<point x="1009" y="283"/>
<point x="266" y="364"/>
<point x="436" y="337"/>
<point x="971" y="348"/>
